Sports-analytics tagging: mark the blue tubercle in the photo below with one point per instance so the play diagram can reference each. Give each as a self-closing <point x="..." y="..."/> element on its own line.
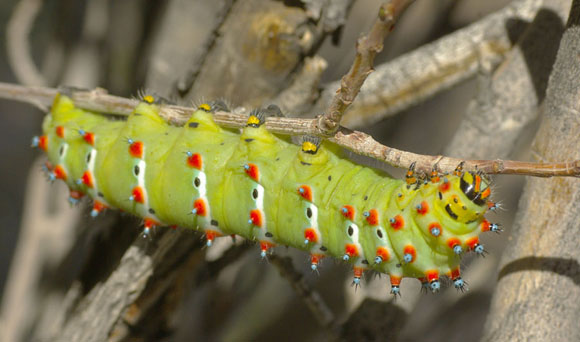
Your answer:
<point x="457" y="249"/>
<point x="407" y="258"/>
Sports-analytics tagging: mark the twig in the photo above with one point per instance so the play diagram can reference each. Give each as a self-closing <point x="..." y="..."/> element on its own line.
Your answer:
<point x="311" y="298"/>
<point x="367" y="48"/>
<point x="433" y="68"/>
<point x="18" y="49"/>
<point x="358" y="142"/>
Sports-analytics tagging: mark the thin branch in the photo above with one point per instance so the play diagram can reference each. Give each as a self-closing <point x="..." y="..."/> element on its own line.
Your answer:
<point x="432" y="68"/>
<point x="99" y="101"/>
<point x="18" y="48"/>
<point x="366" y="49"/>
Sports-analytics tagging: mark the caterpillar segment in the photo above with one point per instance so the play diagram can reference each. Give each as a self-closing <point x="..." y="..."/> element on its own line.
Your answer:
<point x="264" y="188"/>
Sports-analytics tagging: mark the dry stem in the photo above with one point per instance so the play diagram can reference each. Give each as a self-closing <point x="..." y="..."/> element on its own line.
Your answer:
<point x="366" y="49"/>
<point x="98" y="100"/>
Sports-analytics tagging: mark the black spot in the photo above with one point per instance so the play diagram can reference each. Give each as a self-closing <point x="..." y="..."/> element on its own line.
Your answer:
<point x="464" y="207"/>
<point x="137" y="114"/>
<point x="61" y="150"/>
<point x="214" y="223"/>
<point x="366" y="198"/>
<point x="249" y="140"/>
<point x="324" y="249"/>
<point x="100" y="194"/>
<point x="268" y="234"/>
<point x="379" y="233"/>
<point x="151" y="211"/>
<point x="440" y="195"/>
<point x="193" y="124"/>
<point x="350" y="231"/>
<point x="136" y="170"/>
<point x="329" y="178"/>
<point x="88" y="157"/>
<point x="222" y="143"/>
<point x="255" y="193"/>
<point x="455" y="200"/>
<point x="277" y="158"/>
<point x="309" y="212"/>
<point x="365" y="261"/>
<point x="166" y="133"/>
<point x="196" y="182"/>
<point x="450" y="212"/>
<point x="305" y="163"/>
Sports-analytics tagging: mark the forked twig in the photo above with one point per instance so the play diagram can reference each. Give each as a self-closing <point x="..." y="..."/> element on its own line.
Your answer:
<point x="99" y="101"/>
<point x="367" y="48"/>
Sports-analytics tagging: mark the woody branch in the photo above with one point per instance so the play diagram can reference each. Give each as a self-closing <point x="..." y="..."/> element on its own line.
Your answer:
<point x="99" y="101"/>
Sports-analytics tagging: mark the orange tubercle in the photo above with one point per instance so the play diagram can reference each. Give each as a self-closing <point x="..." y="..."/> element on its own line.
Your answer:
<point x="397" y="222"/>
<point x="138" y="195"/>
<point x="351" y="250"/>
<point x="195" y="161"/>
<point x="59" y="131"/>
<point x="76" y="194"/>
<point x="310" y="235"/>
<point x="383" y="253"/>
<point x="452" y="242"/>
<point x="252" y="171"/>
<point x="395" y="281"/>
<point x="256" y="217"/>
<point x="43" y="142"/>
<point x="89" y="138"/>
<point x="88" y="179"/>
<point x="373" y="217"/>
<point x="199" y="206"/>
<point x="485" y="226"/>
<point x="136" y="149"/>
<point x="306" y="192"/>
<point x="432" y="275"/>
<point x="348" y="212"/>
<point x="423" y="208"/>
<point x="445" y="186"/>
<point x="59" y="172"/>
<point x="150" y="223"/>
<point x="472" y="242"/>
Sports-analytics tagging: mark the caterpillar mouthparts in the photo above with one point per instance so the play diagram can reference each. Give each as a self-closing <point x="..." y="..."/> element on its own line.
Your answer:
<point x="262" y="187"/>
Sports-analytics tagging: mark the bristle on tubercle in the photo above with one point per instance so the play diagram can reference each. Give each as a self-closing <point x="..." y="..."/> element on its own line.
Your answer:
<point x="152" y="97"/>
<point x="256" y="119"/>
<point x="310" y="144"/>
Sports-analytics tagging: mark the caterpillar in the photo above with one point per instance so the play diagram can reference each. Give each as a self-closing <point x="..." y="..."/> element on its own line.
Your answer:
<point x="261" y="186"/>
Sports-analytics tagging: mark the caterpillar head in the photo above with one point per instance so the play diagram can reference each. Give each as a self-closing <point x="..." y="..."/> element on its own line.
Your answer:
<point x="464" y="198"/>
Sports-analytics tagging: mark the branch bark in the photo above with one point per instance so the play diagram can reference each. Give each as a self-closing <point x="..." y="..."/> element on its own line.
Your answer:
<point x="538" y="294"/>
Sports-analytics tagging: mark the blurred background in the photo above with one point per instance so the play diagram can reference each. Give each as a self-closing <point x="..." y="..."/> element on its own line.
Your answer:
<point x="110" y="44"/>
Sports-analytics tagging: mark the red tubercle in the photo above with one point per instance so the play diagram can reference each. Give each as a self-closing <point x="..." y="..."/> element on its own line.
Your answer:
<point x="373" y="217"/>
<point x="266" y="245"/>
<point x="252" y="171"/>
<point x="432" y="275"/>
<point x="195" y="161"/>
<point x="98" y="206"/>
<point x="351" y="250"/>
<point x="310" y="235"/>
<point x="256" y="217"/>
<point x="306" y="192"/>
<point x="59" y="172"/>
<point x="409" y="249"/>
<point x="200" y="207"/>
<point x="211" y="235"/>
<point x="89" y="138"/>
<point x="397" y="222"/>
<point x="395" y="281"/>
<point x="472" y="242"/>
<point x="435" y="229"/>
<point x="423" y="208"/>
<point x="150" y="223"/>
<point x="315" y="258"/>
<point x="452" y="242"/>
<point x="43" y="142"/>
<point x="455" y="273"/>
<point x="59" y="131"/>
<point x="383" y="253"/>
<point x="77" y="195"/>
<point x="136" y="149"/>
<point x="138" y="194"/>
<point x="87" y="179"/>
<point x="445" y="186"/>
<point x="348" y="212"/>
<point x="485" y="226"/>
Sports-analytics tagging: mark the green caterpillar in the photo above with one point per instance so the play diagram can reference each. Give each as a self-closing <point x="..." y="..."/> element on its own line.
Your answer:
<point x="262" y="187"/>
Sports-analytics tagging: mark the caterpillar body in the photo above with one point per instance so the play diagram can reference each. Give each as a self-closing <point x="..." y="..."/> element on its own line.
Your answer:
<point x="262" y="187"/>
